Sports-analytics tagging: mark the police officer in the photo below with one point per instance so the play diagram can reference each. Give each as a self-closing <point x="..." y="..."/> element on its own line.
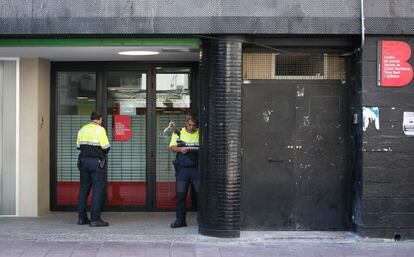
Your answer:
<point x="185" y="144"/>
<point x="94" y="145"/>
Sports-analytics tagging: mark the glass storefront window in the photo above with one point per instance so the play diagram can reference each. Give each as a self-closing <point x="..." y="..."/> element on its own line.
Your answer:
<point x="76" y="99"/>
<point x="8" y="137"/>
<point x="130" y="181"/>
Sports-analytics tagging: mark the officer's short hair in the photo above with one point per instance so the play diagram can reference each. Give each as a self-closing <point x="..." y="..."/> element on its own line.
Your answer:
<point x="192" y="118"/>
<point x="96" y="115"/>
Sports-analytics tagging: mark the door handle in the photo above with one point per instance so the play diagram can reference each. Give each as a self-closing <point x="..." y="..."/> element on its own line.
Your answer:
<point x="273" y="160"/>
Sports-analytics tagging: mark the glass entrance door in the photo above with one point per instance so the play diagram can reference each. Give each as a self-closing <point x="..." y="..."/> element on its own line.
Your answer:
<point x="126" y="128"/>
<point x="173" y="104"/>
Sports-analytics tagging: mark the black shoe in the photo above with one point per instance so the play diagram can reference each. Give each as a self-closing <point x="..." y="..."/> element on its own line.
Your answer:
<point x="99" y="223"/>
<point x="83" y="221"/>
<point x="178" y="224"/>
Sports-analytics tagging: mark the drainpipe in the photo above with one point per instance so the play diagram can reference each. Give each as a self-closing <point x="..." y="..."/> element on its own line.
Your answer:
<point x="362" y="25"/>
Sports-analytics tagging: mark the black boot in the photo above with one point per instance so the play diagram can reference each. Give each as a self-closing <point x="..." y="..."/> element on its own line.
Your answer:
<point x="178" y="224"/>
<point x="83" y="221"/>
<point x="99" y="223"/>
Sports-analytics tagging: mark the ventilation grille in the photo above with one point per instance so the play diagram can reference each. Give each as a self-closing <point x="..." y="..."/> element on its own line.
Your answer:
<point x="293" y="66"/>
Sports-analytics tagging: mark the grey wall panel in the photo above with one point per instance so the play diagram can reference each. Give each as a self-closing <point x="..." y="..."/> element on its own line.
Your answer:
<point x="388" y="190"/>
<point x="388" y="171"/>
<point x="211" y="16"/>
<point x="180" y="25"/>
<point x="379" y="205"/>
<point x="390" y="26"/>
<point x="385" y="219"/>
<point x="179" y="8"/>
<point x="392" y="174"/>
<point x="389" y="8"/>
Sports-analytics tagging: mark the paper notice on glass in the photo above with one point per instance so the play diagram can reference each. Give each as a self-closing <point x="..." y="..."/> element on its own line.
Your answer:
<point x="408" y="123"/>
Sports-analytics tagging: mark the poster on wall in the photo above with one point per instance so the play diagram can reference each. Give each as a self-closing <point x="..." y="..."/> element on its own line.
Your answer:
<point x="370" y="117"/>
<point x="393" y="67"/>
<point x="408" y="123"/>
<point x="122" y="128"/>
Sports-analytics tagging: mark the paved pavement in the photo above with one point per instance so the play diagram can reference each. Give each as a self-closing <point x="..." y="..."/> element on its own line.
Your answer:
<point x="148" y="234"/>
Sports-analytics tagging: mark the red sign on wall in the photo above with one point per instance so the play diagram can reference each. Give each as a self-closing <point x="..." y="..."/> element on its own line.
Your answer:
<point x="122" y="128"/>
<point x="394" y="69"/>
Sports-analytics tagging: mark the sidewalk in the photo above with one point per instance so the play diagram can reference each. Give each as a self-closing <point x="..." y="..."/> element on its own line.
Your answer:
<point x="148" y="234"/>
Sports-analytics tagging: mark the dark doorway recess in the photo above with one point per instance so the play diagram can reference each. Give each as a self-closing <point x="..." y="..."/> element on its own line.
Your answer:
<point x="296" y="171"/>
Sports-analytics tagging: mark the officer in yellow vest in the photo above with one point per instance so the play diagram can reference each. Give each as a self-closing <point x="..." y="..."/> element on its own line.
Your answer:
<point x="185" y="144"/>
<point x="94" y="145"/>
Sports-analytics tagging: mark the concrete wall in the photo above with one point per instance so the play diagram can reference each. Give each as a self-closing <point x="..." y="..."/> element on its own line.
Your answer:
<point x="205" y="16"/>
<point x="34" y="137"/>
<point x="43" y="122"/>
<point x="388" y="154"/>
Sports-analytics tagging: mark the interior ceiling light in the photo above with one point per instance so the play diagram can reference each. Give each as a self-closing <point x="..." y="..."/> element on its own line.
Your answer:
<point x="138" y="53"/>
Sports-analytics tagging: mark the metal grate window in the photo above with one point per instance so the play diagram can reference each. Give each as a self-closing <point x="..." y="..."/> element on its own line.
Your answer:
<point x="299" y="65"/>
<point x="294" y="66"/>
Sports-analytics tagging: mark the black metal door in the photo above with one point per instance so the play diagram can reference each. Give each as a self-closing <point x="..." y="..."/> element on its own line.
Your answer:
<point x="267" y="175"/>
<point x="295" y="155"/>
<point x="321" y="155"/>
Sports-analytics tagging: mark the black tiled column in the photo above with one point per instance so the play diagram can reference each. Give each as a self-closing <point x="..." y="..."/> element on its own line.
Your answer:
<point x="220" y="125"/>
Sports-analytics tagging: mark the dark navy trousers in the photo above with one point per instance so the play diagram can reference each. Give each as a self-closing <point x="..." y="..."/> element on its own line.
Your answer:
<point x="91" y="176"/>
<point x="185" y="176"/>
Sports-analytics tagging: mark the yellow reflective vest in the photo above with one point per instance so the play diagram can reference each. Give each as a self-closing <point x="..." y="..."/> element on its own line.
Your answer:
<point x="189" y="138"/>
<point x="92" y="140"/>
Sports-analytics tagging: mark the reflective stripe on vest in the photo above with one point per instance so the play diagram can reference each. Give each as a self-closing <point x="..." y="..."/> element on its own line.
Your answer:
<point x="94" y="135"/>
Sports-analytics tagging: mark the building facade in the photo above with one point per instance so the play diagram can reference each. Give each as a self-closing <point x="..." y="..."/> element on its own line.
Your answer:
<point x="306" y="108"/>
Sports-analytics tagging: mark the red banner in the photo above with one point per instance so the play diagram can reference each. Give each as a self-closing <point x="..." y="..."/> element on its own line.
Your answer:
<point x="122" y="128"/>
<point x="395" y="71"/>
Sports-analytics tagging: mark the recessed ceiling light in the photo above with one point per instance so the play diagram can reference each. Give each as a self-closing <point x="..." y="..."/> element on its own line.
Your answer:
<point x="139" y="53"/>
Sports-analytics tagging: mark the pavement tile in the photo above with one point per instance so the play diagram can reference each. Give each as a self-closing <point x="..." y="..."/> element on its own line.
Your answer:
<point x="35" y="253"/>
<point x="138" y="234"/>
<point x="58" y="255"/>
<point x="86" y="249"/>
<point x="133" y="254"/>
<point x="38" y="249"/>
<point x="110" y="249"/>
<point x="256" y="251"/>
<point x="19" y="244"/>
<point x="158" y="249"/>
<point x="306" y="250"/>
<point x="10" y="254"/>
<point x="83" y="254"/>
<point x="63" y="247"/>
<point x="132" y="249"/>
<point x="207" y="251"/>
<point x="182" y="250"/>
<point x="229" y="251"/>
<point x="15" y="248"/>
<point x="108" y="253"/>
